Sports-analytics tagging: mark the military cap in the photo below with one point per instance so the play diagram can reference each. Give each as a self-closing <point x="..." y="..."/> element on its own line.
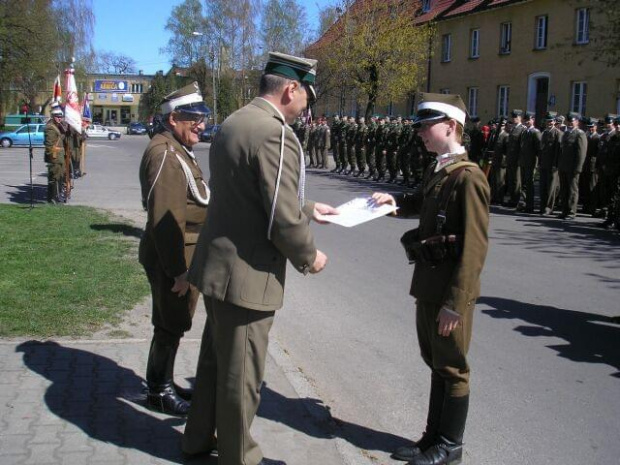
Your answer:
<point x="435" y="107"/>
<point x="591" y="122"/>
<point x="551" y="116"/>
<point x="516" y="112"/>
<point x="559" y="119"/>
<point x="609" y="118"/>
<point x="502" y="120"/>
<point x="528" y="115"/>
<point x="187" y="99"/>
<point x="572" y="116"/>
<point x="292" y="67"/>
<point x="56" y="109"/>
<point x="617" y="120"/>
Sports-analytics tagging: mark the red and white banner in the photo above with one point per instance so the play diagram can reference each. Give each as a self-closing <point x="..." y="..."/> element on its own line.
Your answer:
<point x="73" y="114"/>
<point x="57" y="90"/>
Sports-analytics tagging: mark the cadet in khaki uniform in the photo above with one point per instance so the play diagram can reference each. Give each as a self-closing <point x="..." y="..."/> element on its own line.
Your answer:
<point x="175" y="196"/>
<point x="549" y="156"/>
<point x="360" y="146"/>
<point x="449" y="249"/>
<point x="513" y="147"/>
<point x="574" y="146"/>
<point x="589" y="178"/>
<point x="258" y="220"/>
<point x="54" y="141"/>
<point x="324" y="144"/>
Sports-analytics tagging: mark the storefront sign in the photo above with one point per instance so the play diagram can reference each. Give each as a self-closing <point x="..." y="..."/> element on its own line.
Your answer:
<point x="110" y="85"/>
<point x="127" y="98"/>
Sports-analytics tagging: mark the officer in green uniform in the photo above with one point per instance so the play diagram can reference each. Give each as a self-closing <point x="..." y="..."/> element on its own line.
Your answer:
<point x="55" y="131"/>
<point x="380" y="147"/>
<point x="334" y="141"/>
<point x="360" y="146"/>
<point x="392" y="148"/>
<point x="344" y="137"/>
<point x="603" y="165"/>
<point x="175" y="197"/>
<point x="449" y="249"/>
<point x="531" y="144"/>
<point x="549" y="155"/>
<point x="589" y="177"/>
<point x="497" y="175"/>
<point x="311" y="149"/>
<point x="370" y="147"/>
<point x="405" y="144"/>
<point x="573" y="149"/>
<point x="611" y="169"/>
<point x="351" y="137"/>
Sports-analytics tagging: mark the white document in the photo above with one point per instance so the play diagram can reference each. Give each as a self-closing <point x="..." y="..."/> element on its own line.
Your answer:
<point x="358" y="211"/>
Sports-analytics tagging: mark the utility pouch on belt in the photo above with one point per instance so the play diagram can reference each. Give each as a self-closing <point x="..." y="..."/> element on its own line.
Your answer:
<point x="441" y="247"/>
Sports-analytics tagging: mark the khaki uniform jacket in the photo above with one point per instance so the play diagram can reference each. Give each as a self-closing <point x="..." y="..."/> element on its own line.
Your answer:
<point x="235" y="261"/>
<point x="514" y="145"/>
<point x="174" y="217"/>
<point x="573" y="152"/>
<point x="54" y="144"/>
<point x="531" y="143"/>
<point x="454" y="284"/>
<point x="550" y="152"/>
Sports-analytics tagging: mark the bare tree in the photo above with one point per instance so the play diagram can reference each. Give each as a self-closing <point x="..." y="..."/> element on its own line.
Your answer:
<point x="284" y="27"/>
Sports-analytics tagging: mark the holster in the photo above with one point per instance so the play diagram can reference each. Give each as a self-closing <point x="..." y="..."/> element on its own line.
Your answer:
<point x="433" y="250"/>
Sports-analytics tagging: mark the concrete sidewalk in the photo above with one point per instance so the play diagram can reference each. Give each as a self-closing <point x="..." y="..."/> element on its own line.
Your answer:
<point x="82" y="402"/>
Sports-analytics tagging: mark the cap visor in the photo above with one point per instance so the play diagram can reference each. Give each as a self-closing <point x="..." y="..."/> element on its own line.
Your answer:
<point x="197" y="108"/>
<point x="425" y="116"/>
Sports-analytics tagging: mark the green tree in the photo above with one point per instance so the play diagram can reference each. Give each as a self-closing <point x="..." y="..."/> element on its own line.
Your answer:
<point x="284" y="26"/>
<point x="376" y="48"/>
<point x="606" y="32"/>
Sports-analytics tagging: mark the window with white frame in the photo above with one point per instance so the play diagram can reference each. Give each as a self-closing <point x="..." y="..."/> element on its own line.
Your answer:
<point x="582" y="30"/>
<point x="472" y="101"/>
<point x="505" y="38"/>
<point x="541" y="32"/>
<point x="137" y="88"/>
<point x="578" y="98"/>
<point x="446" y="47"/>
<point x="474" y="46"/>
<point x="426" y="6"/>
<point x="503" y="98"/>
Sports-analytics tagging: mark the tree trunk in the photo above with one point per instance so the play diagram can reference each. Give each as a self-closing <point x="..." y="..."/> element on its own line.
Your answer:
<point x="372" y="93"/>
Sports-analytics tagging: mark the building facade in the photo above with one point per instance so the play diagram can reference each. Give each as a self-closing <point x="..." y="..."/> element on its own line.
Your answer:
<point x="535" y="55"/>
<point x="115" y="98"/>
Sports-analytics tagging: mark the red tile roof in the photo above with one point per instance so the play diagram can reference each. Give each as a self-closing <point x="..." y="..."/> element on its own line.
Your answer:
<point x="464" y="8"/>
<point x="437" y="8"/>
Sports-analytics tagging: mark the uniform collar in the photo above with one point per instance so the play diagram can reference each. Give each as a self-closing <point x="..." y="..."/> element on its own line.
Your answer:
<point x="448" y="159"/>
<point x="266" y="104"/>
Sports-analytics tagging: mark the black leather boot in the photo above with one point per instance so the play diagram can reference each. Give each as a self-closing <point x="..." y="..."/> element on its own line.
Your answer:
<point x="162" y="396"/>
<point x="448" y="448"/>
<point x="433" y="419"/>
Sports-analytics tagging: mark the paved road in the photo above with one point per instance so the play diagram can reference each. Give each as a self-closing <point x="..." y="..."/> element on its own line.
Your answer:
<point x="545" y="354"/>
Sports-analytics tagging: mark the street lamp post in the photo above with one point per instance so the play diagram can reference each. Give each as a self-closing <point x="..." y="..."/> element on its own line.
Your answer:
<point x="212" y="57"/>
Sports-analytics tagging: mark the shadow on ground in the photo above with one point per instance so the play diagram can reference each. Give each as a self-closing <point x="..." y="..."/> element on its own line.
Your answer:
<point x="590" y="338"/>
<point x="120" y="228"/>
<point x="101" y="398"/>
<point x="24" y="194"/>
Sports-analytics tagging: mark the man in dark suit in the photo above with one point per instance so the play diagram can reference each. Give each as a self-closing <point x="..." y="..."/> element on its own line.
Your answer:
<point x="513" y="147"/>
<point x="573" y="151"/>
<point x="531" y="141"/>
<point x="258" y="220"/>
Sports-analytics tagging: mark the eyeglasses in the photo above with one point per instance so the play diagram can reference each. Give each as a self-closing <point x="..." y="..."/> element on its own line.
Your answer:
<point x="195" y="119"/>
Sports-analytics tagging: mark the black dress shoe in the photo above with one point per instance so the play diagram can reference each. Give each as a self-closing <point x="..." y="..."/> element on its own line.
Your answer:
<point x="407" y="453"/>
<point x="443" y="452"/>
<point x="167" y="401"/>
<point x="184" y="393"/>
<point x="266" y="461"/>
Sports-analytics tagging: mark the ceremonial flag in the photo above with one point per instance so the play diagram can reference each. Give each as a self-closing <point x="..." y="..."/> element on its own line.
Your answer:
<point x="72" y="105"/>
<point x="57" y="90"/>
<point x="86" y="114"/>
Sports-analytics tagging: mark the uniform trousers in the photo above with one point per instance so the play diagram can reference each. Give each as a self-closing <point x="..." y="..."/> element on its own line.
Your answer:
<point x="513" y="183"/>
<point x="446" y="356"/>
<point x="549" y="183"/>
<point x="230" y="372"/>
<point x="569" y="192"/>
<point x="527" y="186"/>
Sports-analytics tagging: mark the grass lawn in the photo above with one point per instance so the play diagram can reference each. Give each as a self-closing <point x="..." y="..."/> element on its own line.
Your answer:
<point x="65" y="271"/>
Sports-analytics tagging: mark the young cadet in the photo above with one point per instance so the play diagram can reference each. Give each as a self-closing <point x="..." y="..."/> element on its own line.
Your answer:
<point x="449" y="249"/>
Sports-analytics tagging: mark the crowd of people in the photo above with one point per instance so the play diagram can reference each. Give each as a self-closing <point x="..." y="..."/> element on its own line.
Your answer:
<point x="574" y="160"/>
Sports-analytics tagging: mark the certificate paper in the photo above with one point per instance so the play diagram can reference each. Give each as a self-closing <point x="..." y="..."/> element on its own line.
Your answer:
<point x="358" y="211"/>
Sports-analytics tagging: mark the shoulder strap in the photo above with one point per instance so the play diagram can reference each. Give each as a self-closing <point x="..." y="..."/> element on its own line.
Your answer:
<point x="447" y="189"/>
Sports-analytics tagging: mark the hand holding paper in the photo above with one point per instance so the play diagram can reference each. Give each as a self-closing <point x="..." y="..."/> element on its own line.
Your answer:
<point x="358" y="211"/>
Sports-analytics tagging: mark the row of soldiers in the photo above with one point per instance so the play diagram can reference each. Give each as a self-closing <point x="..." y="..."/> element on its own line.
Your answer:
<point x="64" y="156"/>
<point x="379" y="150"/>
<point x="577" y="160"/>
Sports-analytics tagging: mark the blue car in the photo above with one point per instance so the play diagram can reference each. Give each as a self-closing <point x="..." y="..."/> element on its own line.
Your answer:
<point x="20" y="136"/>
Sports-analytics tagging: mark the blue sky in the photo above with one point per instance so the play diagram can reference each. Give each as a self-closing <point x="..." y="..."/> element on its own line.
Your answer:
<point x="136" y="28"/>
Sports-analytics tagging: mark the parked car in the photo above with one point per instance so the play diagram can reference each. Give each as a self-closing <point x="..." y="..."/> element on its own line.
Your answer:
<point x="136" y="128"/>
<point x="209" y="132"/>
<point x="100" y="132"/>
<point x="21" y="136"/>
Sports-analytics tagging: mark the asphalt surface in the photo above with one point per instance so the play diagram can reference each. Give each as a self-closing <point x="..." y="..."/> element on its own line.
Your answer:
<point x="545" y="354"/>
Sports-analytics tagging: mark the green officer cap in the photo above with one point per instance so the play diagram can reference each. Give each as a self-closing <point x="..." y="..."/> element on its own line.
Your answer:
<point x="551" y="116"/>
<point x="292" y="67"/>
<point x="573" y="115"/>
